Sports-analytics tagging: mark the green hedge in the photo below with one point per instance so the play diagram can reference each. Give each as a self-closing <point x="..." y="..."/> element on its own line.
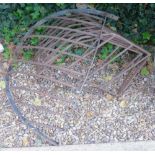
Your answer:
<point x="136" y="22"/>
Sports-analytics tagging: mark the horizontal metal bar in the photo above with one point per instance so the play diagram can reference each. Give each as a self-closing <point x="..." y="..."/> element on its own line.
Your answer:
<point x="56" y="56"/>
<point x="111" y="36"/>
<point x="63" y="39"/>
<point x="49" y="78"/>
<point x="117" y="42"/>
<point x="94" y="50"/>
<point x="128" y="68"/>
<point x="64" y="12"/>
<point x="51" y="32"/>
<point x="134" y="45"/>
<point x="105" y="64"/>
<point x="129" y="78"/>
<point x="84" y="56"/>
<point x="74" y="30"/>
<point x="131" y="65"/>
<point x="51" y="66"/>
<point x="44" y="48"/>
<point x="77" y="20"/>
<point x="51" y="44"/>
<point x="86" y="15"/>
<point x="68" y="29"/>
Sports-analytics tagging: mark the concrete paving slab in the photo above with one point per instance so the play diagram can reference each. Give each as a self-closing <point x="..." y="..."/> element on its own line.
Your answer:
<point x="125" y="146"/>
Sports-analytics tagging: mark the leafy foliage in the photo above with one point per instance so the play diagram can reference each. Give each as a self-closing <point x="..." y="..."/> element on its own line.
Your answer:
<point x="136" y="22"/>
<point x="135" y="19"/>
<point x="27" y="55"/>
<point x="79" y="51"/>
<point x="106" y="50"/>
<point x="144" y="71"/>
<point x="16" y="18"/>
<point x="2" y="84"/>
<point x="34" y="41"/>
<point x="61" y="60"/>
<point x="6" y="53"/>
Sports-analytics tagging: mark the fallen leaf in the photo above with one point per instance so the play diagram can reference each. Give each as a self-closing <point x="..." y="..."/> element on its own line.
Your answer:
<point x="5" y="66"/>
<point x="109" y="97"/>
<point x="100" y="61"/>
<point x="2" y="84"/>
<point x="144" y="71"/>
<point x="25" y="141"/>
<point x="89" y="114"/>
<point x="113" y="28"/>
<point x="37" y="101"/>
<point x="107" y="78"/>
<point x="142" y="123"/>
<point x="123" y="104"/>
<point x="2" y="73"/>
<point x="114" y="67"/>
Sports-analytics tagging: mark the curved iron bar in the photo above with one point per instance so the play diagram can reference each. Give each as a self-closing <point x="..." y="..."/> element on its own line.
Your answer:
<point x="20" y="115"/>
<point x="68" y="11"/>
<point x="7" y="76"/>
<point x="115" y="39"/>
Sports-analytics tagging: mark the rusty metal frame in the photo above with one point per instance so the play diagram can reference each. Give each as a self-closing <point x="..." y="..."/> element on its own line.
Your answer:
<point x="74" y="28"/>
<point x="78" y="27"/>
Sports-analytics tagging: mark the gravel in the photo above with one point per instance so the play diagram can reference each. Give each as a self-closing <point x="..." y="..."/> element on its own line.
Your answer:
<point x="74" y="118"/>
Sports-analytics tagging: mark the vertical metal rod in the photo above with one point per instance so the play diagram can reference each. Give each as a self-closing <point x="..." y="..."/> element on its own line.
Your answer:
<point x="153" y="83"/>
<point x="96" y="49"/>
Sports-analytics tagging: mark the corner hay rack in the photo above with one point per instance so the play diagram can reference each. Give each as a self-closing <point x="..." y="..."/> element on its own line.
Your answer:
<point x="67" y="32"/>
<point x="78" y="36"/>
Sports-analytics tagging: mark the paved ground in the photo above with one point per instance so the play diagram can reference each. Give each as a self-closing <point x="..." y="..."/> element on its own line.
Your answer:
<point x="130" y="146"/>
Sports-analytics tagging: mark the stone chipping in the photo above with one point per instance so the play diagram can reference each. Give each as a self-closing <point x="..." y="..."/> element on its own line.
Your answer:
<point x="72" y="118"/>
